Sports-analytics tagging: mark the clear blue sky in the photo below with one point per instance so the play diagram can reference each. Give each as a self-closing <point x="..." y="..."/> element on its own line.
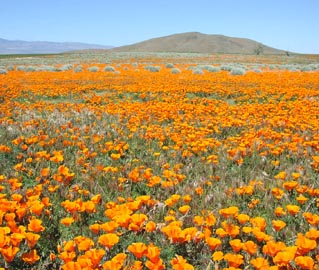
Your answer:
<point x="284" y="24"/>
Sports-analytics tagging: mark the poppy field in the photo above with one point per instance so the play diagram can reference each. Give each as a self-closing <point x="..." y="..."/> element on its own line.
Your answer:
<point x="144" y="164"/>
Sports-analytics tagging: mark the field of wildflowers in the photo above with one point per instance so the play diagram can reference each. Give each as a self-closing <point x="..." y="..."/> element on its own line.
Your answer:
<point x="133" y="165"/>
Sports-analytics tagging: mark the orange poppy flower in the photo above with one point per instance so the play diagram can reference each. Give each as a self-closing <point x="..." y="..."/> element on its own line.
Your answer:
<point x="281" y="176"/>
<point x="290" y="185"/>
<point x="96" y="199"/>
<point x="301" y="199"/>
<point x="108" y="240"/>
<point x="305" y="262"/>
<point x="278" y="225"/>
<point x="4" y="239"/>
<point x="198" y="220"/>
<point x="35" y="225"/>
<point x="30" y="257"/>
<point x="292" y="209"/>
<point x="116" y="263"/>
<point x="138" y="249"/>
<point x="57" y="156"/>
<point x="283" y="258"/>
<point x="221" y="232"/>
<point x="95" y="228"/>
<point x="150" y="226"/>
<point x="279" y="211"/>
<point x="187" y="198"/>
<point x="45" y="172"/>
<point x="305" y="244"/>
<point x="250" y="247"/>
<point x="52" y="257"/>
<point x="109" y="226"/>
<point x="184" y="209"/>
<point x="210" y="219"/>
<point x="9" y="253"/>
<point x="236" y="245"/>
<point x="137" y="220"/>
<point x="218" y="256"/>
<point x="153" y="253"/>
<point x="32" y="239"/>
<point x="69" y="246"/>
<point x="313" y="234"/>
<point x="213" y="242"/>
<point x="95" y="256"/>
<point x="260" y="263"/>
<point x="83" y="243"/>
<point x="16" y="238"/>
<point x="311" y="218"/>
<point x="70" y="265"/>
<point x="243" y="218"/>
<point x="229" y="212"/>
<point x="231" y="229"/>
<point x="258" y="222"/>
<point x="179" y="263"/>
<point x="234" y="260"/>
<point x="159" y="265"/>
<point x="67" y="221"/>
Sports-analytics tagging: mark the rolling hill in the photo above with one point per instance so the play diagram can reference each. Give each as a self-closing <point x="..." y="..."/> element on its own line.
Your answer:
<point x="43" y="47"/>
<point x="199" y="43"/>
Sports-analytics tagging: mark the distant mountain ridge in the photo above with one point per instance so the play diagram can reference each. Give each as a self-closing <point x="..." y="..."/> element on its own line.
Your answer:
<point x="199" y="43"/>
<point x="43" y="47"/>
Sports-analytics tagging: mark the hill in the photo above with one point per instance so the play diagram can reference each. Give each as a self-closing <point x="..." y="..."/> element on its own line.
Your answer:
<point x="43" y="47"/>
<point x="199" y="43"/>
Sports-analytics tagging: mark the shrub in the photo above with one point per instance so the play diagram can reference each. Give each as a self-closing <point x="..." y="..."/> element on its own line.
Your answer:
<point x="109" y="69"/>
<point x="21" y="68"/>
<point x="209" y="68"/>
<point x="66" y="67"/>
<point x="306" y="68"/>
<point x="93" y="69"/>
<point x="10" y="68"/>
<point x="169" y="65"/>
<point x="153" y="68"/>
<point x="3" y="71"/>
<point x="191" y="67"/>
<point x="48" y="68"/>
<point x="237" y="71"/>
<point x="30" y="69"/>
<point x="78" y="68"/>
<point x="198" y="71"/>
<point x="257" y="70"/>
<point x="175" y="71"/>
<point x="213" y="69"/>
<point x="226" y="67"/>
